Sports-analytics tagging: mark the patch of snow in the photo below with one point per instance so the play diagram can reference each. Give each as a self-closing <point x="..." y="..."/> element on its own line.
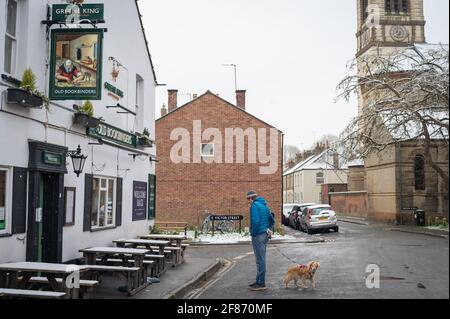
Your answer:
<point x="233" y="238"/>
<point x="437" y="228"/>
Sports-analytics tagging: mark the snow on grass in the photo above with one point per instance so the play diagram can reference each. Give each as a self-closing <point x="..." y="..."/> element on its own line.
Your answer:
<point x="438" y="228"/>
<point x="233" y="238"/>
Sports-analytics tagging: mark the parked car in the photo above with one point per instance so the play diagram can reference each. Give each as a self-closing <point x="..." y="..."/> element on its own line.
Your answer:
<point x="318" y="217"/>
<point x="295" y="213"/>
<point x="287" y="208"/>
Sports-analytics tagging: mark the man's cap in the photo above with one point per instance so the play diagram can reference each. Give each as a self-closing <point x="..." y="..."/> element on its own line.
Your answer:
<point x="251" y="194"/>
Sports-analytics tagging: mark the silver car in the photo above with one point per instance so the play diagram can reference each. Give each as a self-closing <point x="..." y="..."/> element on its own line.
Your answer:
<point x="318" y="217"/>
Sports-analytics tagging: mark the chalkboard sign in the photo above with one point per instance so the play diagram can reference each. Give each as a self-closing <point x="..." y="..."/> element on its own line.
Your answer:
<point x="139" y="201"/>
<point x="226" y="217"/>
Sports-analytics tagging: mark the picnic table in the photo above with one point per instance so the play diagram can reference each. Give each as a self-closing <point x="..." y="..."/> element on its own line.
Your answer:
<point x="148" y="244"/>
<point x="18" y="275"/>
<point x="176" y="240"/>
<point x="132" y="256"/>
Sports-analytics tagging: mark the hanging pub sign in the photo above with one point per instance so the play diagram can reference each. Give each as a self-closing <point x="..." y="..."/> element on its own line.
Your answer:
<point x="114" y="134"/>
<point x="76" y="64"/>
<point x="139" y="201"/>
<point x="72" y="12"/>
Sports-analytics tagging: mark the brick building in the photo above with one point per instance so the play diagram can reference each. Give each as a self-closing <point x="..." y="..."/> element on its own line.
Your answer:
<point x="201" y="163"/>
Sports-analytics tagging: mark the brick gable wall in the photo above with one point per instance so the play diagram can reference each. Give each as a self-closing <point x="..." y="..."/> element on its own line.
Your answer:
<point x="185" y="191"/>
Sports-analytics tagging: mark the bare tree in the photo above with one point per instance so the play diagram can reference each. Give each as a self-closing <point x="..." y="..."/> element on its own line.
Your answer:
<point x="407" y="101"/>
<point x="290" y="152"/>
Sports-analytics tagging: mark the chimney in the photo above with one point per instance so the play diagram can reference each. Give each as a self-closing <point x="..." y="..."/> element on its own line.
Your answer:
<point x="194" y="96"/>
<point x="163" y="110"/>
<point x="173" y="100"/>
<point x="240" y="99"/>
<point x="336" y="160"/>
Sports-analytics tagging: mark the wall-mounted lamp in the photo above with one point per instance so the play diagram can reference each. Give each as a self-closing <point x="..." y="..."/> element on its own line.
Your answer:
<point x="78" y="160"/>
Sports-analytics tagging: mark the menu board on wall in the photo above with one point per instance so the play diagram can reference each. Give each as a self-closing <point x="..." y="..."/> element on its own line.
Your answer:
<point x="139" y="201"/>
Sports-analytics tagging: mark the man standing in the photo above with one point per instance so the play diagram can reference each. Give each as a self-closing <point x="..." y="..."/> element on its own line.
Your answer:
<point x="261" y="221"/>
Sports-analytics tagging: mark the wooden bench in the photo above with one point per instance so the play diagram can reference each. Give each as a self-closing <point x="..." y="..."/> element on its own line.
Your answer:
<point x="174" y="254"/>
<point x="159" y="264"/>
<point x="34" y="294"/>
<point x="86" y="286"/>
<point x="172" y="226"/>
<point x="118" y="261"/>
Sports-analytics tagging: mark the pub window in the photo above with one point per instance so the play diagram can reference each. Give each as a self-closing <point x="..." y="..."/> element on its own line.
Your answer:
<point x="319" y="178"/>
<point x="207" y="150"/>
<point x="397" y="6"/>
<point x="419" y="172"/>
<point x="102" y="214"/>
<point x="11" y="37"/>
<point x="3" y="197"/>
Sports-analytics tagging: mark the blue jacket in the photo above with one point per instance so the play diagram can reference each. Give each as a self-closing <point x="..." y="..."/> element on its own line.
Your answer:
<point x="261" y="218"/>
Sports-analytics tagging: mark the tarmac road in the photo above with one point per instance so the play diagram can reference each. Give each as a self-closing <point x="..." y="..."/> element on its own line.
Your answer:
<point x="411" y="266"/>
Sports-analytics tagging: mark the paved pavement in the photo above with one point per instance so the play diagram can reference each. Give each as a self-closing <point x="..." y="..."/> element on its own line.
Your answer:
<point x="171" y="280"/>
<point x="407" y="262"/>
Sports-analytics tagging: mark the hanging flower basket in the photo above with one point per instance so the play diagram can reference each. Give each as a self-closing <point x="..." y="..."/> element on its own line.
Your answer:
<point x="24" y="98"/>
<point x="86" y="120"/>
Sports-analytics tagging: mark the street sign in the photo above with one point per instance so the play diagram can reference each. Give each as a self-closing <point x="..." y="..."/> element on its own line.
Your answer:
<point x="226" y="217"/>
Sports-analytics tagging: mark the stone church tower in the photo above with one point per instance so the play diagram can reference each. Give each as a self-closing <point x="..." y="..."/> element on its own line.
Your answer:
<point x="384" y="25"/>
<point x="397" y="180"/>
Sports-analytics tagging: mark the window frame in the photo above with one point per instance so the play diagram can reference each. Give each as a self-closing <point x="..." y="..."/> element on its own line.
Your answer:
<point x="139" y="102"/>
<point x="390" y="7"/>
<point x="317" y="178"/>
<point x="8" y="201"/>
<point x="100" y="189"/>
<point x="207" y="155"/>
<point x="14" y="40"/>
<point x="419" y="186"/>
<point x="364" y="12"/>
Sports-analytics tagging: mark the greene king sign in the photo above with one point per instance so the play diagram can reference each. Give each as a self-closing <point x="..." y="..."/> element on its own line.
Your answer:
<point x="75" y="13"/>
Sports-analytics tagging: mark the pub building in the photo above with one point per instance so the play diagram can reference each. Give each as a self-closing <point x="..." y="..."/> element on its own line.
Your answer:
<point x="80" y="171"/>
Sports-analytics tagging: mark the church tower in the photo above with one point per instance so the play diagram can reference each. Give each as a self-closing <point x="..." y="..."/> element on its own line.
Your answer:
<point x="389" y="24"/>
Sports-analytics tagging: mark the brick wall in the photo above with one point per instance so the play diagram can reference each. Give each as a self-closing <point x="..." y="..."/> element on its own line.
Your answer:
<point x="186" y="190"/>
<point x="352" y="204"/>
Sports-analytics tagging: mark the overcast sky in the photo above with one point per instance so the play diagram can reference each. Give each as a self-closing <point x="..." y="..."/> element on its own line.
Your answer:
<point x="290" y="54"/>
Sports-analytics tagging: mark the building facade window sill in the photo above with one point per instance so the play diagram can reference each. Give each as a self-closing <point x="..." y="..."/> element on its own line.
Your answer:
<point x="5" y="235"/>
<point x="94" y="230"/>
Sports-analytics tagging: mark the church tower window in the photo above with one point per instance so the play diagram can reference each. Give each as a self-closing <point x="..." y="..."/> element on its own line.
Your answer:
<point x="419" y="172"/>
<point x="364" y="9"/>
<point x="397" y="6"/>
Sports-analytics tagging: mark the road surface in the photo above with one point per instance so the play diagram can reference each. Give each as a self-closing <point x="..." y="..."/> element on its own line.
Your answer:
<point x="411" y="266"/>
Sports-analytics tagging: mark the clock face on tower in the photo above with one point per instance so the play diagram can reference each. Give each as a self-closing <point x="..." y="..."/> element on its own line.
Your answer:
<point x="399" y="33"/>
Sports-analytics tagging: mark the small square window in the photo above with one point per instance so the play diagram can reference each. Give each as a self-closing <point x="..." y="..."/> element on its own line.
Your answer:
<point x="207" y="150"/>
